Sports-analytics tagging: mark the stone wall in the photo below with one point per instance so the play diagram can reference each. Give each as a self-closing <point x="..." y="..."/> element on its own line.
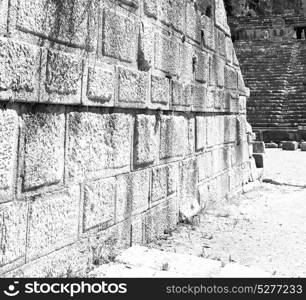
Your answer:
<point x="116" y="118"/>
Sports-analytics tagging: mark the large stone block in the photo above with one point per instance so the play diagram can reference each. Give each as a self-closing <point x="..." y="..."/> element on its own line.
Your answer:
<point x="13" y="231"/>
<point x="99" y="86"/>
<point x="173" y="13"/>
<point x="200" y="132"/>
<point x="145" y="54"/>
<point x="199" y="97"/>
<point x="211" y="131"/>
<point x="161" y="220"/>
<point x="8" y="152"/>
<point x="19" y="71"/>
<point x="53" y="222"/>
<point x="61" y="77"/>
<point x="182" y="95"/>
<point x="71" y="22"/>
<point x="166" y="54"/>
<point x="3" y="15"/>
<point x="97" y="144"/>
<point x="133" y="88"/>
<point x="132" y="196"/>
<point x="290" y="146"/>
<point x="188" y="202"/>
<point x="208" y="28"/>
<point x="205" y="165"/>
<point x="193" y="22"/>
<point x="231" y="78"/>
<point x="99" y="204"/>
<point x="164" y="181"/>
<point x="43" y="138"/>
<point x="202" y="66"/>
<point x="151" y="8"/>
<point x="259" y="147"/>
<point x="174" y="137"/>
<point x="160" y="91"/>
<point x="119" y="36"/>
<point x="146" y="139"/>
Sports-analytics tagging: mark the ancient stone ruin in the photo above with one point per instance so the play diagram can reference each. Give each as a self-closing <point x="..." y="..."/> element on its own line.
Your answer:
<point x="271" y="48"/>
<point x="117" y="120"/>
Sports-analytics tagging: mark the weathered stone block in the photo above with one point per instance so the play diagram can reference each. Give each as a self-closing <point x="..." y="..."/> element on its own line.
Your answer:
<point x="53" y="222"/>
<point x="211" y="131"/>
<point x="200" y="132"/>
<point x="182" y="95"/>
<point x="271" y="145"/>
<point x="220" y="64"/>
<point x="187" y="63"/>
<point x="229" y="50"/>
<point x="174" y="137"/>
<point x="119" y="36"/>
<point x="258" y="147"/>
<point x="132" y="194"/>
<point x="66" y="22"/>
<point x="43" y="135"/>
<point x="146" y="139"/>
<point x="188" y="202"/>
<point x="164" y="181"/>
<point x="221" y="43"/>
<point x="202" y="66"/>
<point x="160" y="90"/>
<point x="290" y="146"/>
<point x="166" y="54"/>
<point x="208" y="32"/>
<point x="97" y="144"/>
<point x="13" y="230"/>
<point x="99" y="204"/>
<point x="99" y="86"/>
<point x="3" y="15"/>
<point x="160" y="220"/>
<point x="61" y="78"/>
<point x="193" y="22"/>
<point x="145" y="54"/>
<point x="303" y="146"/>
<point x="133" y="87"/>
<point x="19" y="71"/>
<point x="231" y="78"/>
<point x="199" y="97"/>
<point x="173" y="13"/>
<point x="151" y="7"/>
<point x="8" y="152"/>
<point x="205" y="165"/>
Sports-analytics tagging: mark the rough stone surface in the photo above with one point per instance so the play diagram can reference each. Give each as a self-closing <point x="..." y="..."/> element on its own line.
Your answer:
<point x="146" y="141"/>
<point x="13" y="225"/>
<point x="44" y="132"/>
<point x="19" y="65"/>
<point x="119" y="36"/>
<point x="126" y="115"/>
<point x="97" y="143"/>
<point x="291" y="146"/>
<point x="133" y="87"/>
<point x="100" y="86"/>
<point x="53" y="222"/>
<point x="8" y="152"/>
<point x="61" y="80"/>
<point x="174" y="137"/>
<point x="99" y="203"/>
<point x="132" y="194"/>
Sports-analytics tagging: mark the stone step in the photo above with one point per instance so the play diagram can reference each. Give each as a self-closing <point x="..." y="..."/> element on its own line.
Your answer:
<point x="142" y="262"/>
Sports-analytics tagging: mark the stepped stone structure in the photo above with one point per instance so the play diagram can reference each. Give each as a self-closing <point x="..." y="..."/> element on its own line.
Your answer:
<point x="271" y="48"/>
<point x="116" y="118"/>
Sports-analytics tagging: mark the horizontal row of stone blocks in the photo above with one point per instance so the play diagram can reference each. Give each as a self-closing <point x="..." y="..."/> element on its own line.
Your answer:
<point x="55" y="145"/>
<point x="78" y="23"/>
<point x="33" y="74"/>
<point x="119" y="209"/>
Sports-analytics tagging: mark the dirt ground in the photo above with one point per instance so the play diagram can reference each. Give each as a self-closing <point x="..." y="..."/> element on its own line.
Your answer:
<point x="264" y="228"/>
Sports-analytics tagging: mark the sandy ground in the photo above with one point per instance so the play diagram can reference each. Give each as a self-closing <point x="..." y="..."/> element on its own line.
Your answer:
<point x="264" y="228"/>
